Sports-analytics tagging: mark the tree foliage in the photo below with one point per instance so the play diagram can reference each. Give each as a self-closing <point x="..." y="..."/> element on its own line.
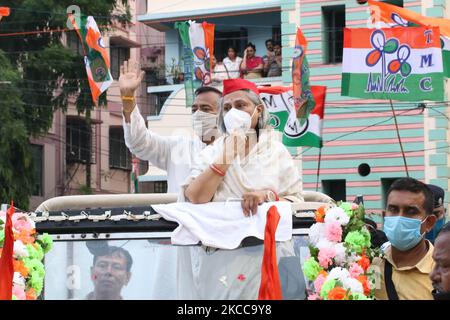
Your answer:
<point x="45" y="75"/>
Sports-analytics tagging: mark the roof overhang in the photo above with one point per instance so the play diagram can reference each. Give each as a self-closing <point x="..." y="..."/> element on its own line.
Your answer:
<point x="157" y="20"/>
<point x="121" y="41"/>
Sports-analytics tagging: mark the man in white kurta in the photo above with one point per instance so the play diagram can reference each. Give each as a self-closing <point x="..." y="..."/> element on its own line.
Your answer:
<point x="173" y="154"/>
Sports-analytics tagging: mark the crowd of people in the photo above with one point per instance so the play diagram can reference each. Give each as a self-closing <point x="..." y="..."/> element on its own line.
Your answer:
<point x="235" y="155"/>
<point x="250" y="66"/>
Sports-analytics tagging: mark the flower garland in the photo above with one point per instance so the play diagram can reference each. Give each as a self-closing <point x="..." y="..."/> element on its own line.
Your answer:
<point x="29" y="251"/>
<point x="340" y="255"/>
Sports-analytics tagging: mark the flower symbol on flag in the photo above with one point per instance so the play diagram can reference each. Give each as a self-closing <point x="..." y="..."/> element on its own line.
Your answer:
<point x="202" y="55"/>
<point x="398" y="20"/>
<point x="380" y="45"/>
<point x="400" y="63"/>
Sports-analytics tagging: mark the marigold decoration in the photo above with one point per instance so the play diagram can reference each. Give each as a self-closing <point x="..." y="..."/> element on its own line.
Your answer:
<point x="29" y="251"/>
<point x="340" y="255"/>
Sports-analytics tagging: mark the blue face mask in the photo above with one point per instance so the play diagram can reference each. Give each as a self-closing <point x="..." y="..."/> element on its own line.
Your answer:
<point x="437" y="227"/>
<point x="403" y="233"/>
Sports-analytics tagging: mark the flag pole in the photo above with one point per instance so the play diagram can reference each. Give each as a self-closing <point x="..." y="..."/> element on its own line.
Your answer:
<point x="318" y="169"/>
<point x="399" y="139"/>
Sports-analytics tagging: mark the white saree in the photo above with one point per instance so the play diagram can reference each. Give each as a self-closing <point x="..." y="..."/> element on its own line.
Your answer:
<point x="210" y="273"/>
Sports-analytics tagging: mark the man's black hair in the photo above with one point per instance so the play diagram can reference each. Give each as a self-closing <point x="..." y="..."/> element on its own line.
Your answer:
<point x="111" y="250"/>
<point x="415" y="186"/>
<point x="205" y="89"/>
<point x="269" y="40"/>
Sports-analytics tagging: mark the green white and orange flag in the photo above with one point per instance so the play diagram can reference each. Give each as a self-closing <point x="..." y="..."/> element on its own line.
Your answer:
<point x="300" y="78"/>
<point x="388" y="15"/>
<point x="198" y="50"/>
<point x="279" y="101"/>
<point x="96" y="57"/>
<point x="4" y="12"/>
<point x="403" y="63"/>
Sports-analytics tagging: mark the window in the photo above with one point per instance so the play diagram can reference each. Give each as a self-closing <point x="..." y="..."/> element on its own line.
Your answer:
<point x="276" y="33"/>
<point x="335" y="189"/>
<point x="160" y="186"/>
<point x="334" y="23"/>
<point x="118" y="56"/>
<point x="385" y="185"/>
<point x="78" y="140"/>
<point x="119" y="155"/>
<point x="224" y="39"/>
<point x="74" y="42"/>
<point x="156" y="101"/>
<point x="38" y="152"/>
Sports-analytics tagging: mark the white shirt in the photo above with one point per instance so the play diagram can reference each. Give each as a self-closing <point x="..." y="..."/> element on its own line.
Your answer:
<point x="233" y="67"/>
<point x="173" y="154"/>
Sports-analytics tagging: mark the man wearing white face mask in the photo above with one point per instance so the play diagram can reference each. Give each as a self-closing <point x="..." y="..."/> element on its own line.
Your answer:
<point x="171" y="153"/>
<point x="405" y="269"/>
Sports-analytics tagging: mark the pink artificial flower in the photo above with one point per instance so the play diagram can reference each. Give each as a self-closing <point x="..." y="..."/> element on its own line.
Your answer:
<point x="19" y="293"/>
<point x="314" y="296"/>
<point x="325" y="256"/>
<point x="354" y="206"/>
<point x="355" y="270"/>
<point x="333" y="231"/>
<point x="21" y="223"/>
<point x="319" y="282"/>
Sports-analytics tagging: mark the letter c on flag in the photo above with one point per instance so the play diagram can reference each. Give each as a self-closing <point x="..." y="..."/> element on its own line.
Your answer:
<point x="425" y="84"/>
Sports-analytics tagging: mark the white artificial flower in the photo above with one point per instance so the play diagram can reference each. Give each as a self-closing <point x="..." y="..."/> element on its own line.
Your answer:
<point x="354" y="285"/>
<point x="353" y="258"/>
<point x="337" y="214"/>
<point x="20" y="250"/>
<point x="316" y="232"/>
<point x="341" y="255"/>
<point x="324" y="243"/>
<point x="339" y="274"/>
<point x="18" y="280"/>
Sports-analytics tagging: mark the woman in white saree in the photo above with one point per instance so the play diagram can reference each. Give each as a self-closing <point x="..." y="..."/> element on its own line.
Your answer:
<point x="249" y="164"/>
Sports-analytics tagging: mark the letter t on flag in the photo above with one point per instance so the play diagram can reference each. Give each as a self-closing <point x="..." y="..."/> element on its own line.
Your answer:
<point x="6" y="259"/>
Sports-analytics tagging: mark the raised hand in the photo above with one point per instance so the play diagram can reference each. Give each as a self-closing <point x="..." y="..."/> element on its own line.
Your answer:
<point x="130" y="78"/>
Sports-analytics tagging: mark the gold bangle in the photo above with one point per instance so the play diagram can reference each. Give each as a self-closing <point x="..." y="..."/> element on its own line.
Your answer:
<point x="128" y="98"/>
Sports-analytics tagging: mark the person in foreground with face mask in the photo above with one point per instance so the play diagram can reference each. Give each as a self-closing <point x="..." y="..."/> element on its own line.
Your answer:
<point x="439" y="211"/>
<point x="440" y="276"/>
<point x="407" y="263"/>
<point x="247" y="164"/>
<point x="171" y="153"/>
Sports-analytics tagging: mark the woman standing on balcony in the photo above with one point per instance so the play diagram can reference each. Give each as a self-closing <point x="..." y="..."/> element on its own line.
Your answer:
<point x="232" y="63"/>
<point x="252" y="66"/>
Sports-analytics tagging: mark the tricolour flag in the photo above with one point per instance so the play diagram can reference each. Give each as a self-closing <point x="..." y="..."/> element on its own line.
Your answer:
<point x="96" y="57"/>
<point x="393" y="63"/>
<point x="388" y="15"/>
<point x="4" y="12"/>
<point x="303" y="99"/>
<point x="279" y="101"/>
<point x="134" y="182"/>
<point x="198" y="50"/>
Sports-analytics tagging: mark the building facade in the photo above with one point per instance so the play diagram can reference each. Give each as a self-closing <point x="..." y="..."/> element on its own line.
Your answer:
<point x="61" y="156"/>
<point x="361" y="153"/>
